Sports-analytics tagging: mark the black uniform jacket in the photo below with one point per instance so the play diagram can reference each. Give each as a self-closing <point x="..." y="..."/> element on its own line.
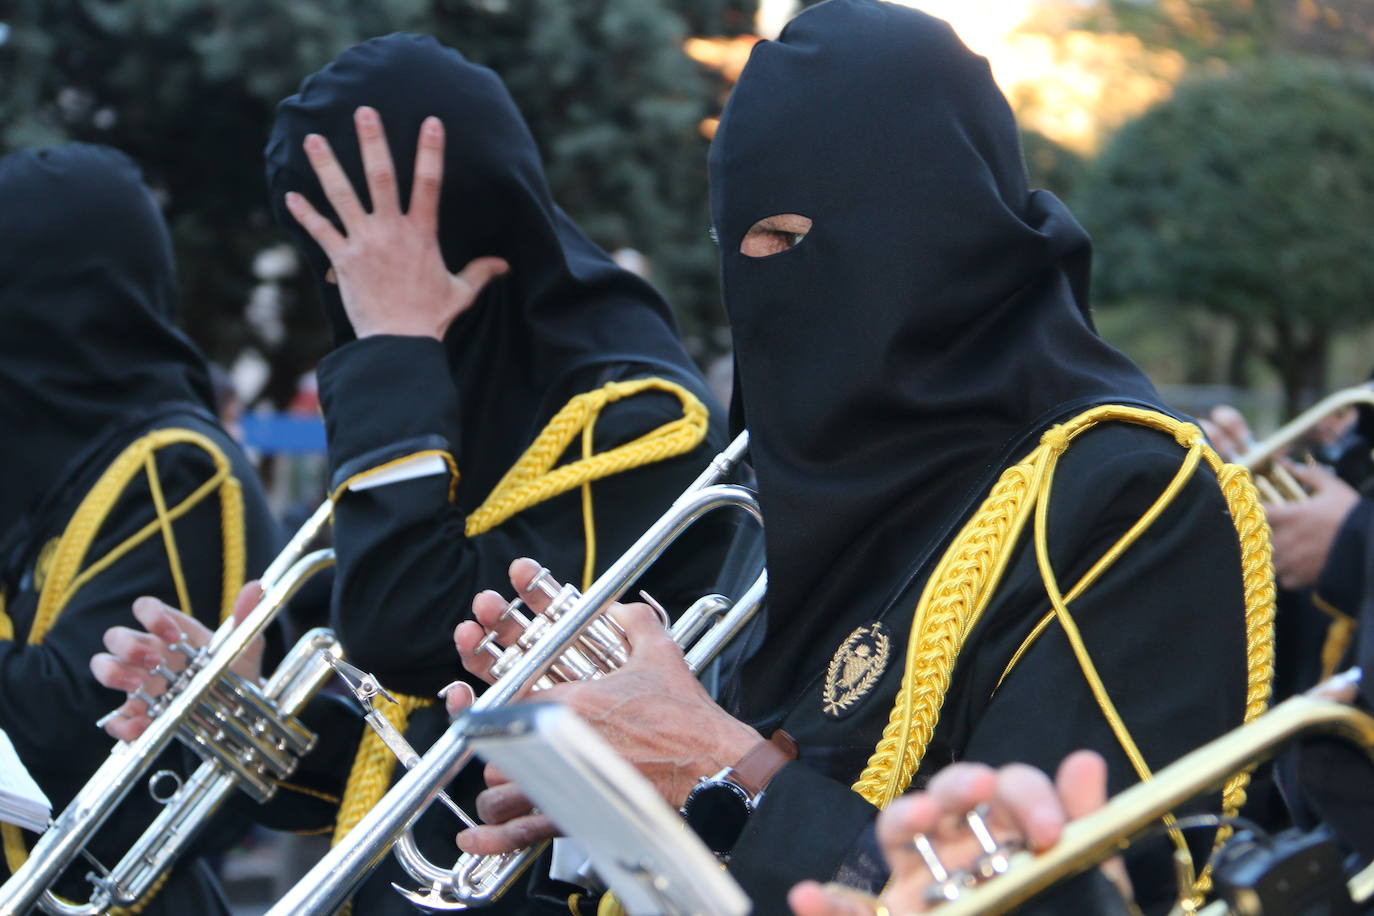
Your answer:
<point x="564" y="322"/>
<point x="90" y="364"/>
<point x="1163" y="626"/>
<point x="891" y="361"/>
<point x="51" y="700"/>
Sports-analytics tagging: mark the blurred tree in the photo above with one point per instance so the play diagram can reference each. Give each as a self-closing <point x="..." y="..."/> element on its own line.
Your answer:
<point x="1232" y="30"/>
<point x="1248" y="195"/>
<point x="1051" y="165"/>
<point x="616" y="107"/>
<point x="187" y="87"/>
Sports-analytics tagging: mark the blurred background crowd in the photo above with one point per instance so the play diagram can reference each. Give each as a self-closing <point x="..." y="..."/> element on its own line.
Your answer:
<point x="1219" y="151"/>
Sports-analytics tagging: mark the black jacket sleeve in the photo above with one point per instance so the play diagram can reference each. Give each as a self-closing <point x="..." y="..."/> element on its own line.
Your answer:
<point x="407" y="571"/>
<point x="51" y="681"/>
<point x="52" y="701"/>
<point x="1163" y="627"/>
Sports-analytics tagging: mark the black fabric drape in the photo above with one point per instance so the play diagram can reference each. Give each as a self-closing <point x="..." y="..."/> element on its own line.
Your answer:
<point x="564" y="321"/>
<point x="929" y="326"/>
<point x="89" y="362"/>
<point x="87" y="297"/>
<point x="564" y="305"/>
<point x="952" y="299"/>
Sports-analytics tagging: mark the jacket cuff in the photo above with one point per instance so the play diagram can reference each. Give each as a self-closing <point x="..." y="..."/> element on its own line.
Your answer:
<point x="797" y="799"/>
<point x="386" y="393"/>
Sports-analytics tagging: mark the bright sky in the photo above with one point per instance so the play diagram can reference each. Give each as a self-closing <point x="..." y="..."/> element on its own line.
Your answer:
<point x="1072" y="86"/>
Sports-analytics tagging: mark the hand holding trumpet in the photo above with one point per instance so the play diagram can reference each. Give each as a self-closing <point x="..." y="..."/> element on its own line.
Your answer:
<point x="653" y="711"/>
<point x="928" y="833"/>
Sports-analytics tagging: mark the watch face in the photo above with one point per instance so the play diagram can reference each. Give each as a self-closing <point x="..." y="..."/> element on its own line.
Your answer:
<point x="718" y="811"/>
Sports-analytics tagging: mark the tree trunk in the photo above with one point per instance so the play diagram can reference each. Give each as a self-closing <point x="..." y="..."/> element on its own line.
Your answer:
<point x="1238" y="373"/>
<point x="1301" y="364"/>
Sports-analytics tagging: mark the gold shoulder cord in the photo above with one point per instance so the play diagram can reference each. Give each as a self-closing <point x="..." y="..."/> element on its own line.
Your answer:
<point x="964" y="581"/>
<point x="532" y="480"/>
<point x="65" y="574"/>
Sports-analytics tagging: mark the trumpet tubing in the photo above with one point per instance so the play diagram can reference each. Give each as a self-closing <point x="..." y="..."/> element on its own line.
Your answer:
<point x="1088" y="842"/>
<point x="245" y="735"/>
<point x="573" y="639"/>
<point x="1273" y="480"/>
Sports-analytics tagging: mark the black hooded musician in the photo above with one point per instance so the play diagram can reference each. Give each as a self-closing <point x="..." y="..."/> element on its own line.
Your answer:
<point x="1320" y="543"/>
<point x="987" y="539"/>
<point x="536" y="402"/>
<point x="118" y="481"/>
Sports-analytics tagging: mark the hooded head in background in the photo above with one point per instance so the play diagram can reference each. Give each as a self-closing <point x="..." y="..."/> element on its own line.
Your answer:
<point x="87" y="299"/>
<point x="564" y="306"/>
<point x="934" y="314"/>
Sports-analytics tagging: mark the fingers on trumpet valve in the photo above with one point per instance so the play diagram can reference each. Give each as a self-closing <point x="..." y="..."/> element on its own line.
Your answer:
<point x="949" y="884"/>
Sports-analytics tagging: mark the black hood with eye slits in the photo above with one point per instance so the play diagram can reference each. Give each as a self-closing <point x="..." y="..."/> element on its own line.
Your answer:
<point x="935" y="313"/>
<point x="87" y="297"/>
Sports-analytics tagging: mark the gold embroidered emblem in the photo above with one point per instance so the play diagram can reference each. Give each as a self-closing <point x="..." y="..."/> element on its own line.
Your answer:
<point x="858" y="663"/>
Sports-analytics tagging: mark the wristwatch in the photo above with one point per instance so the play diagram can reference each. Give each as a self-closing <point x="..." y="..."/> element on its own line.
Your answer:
<point x="718" y="807"/>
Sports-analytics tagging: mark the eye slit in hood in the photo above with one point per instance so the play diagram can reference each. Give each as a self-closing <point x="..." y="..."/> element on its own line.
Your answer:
<point x="774" y="235"/>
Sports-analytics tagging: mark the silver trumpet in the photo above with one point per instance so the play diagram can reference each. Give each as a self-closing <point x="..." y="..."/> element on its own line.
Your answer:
<point x="571" y="640"/>
<point x="246" y="736"/>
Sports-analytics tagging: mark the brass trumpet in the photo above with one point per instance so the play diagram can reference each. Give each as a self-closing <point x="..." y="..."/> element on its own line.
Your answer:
<point x="1088" y="842"/>
<point x="572" y="639"/>
<point x="1272" y="479"/>
<point x="245" y="734"/>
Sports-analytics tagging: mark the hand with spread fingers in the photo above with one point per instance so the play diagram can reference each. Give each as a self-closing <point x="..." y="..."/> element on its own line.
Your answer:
<point x="1304" y="531"/>
<point x="137" y="661"/>
<point x="652" y="710"/>
<point x="962" y="828"/>
<point x="391" y="273"/>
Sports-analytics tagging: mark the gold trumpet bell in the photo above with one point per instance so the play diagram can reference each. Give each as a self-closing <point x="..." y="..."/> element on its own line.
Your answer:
<point x="1274" y="481"/>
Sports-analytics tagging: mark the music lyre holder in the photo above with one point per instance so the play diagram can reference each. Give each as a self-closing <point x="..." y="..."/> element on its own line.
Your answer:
<point x="639" y="846"/>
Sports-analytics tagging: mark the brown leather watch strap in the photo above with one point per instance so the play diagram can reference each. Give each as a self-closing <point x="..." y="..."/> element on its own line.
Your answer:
<point x="762" y="762"/>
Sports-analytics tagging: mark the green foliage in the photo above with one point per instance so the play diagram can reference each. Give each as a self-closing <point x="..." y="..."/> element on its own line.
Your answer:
<point x="1236" y="30"/>
<point x="616" y="107"/>
<point x="1051" y="166"/>
<point x="1248" y="195"/>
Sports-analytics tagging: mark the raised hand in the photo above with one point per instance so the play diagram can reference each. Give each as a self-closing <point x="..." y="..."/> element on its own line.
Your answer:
<point x="388" y="265"/>
<point x="132" y="655"/>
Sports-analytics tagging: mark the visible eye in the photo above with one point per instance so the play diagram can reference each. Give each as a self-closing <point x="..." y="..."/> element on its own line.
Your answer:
<point x="774" y="235"/>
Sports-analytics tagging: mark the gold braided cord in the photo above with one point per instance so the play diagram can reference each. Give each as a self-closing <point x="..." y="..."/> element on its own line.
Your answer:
<point x="1340" y="632"/>
<point x="6" y="625"/>
<point x="588" y="512"/>
<point x="169" y="542"/>
<point x="65" y="575"/>
<point x="531" y="481"/>
<point x="533" y="478"/>
<point x="372" y="766"/>
<point x="609" y="905"/>
<point x="962" y="584"/>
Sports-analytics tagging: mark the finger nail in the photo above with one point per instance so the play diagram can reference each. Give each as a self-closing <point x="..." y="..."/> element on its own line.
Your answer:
<point x="459" y="686"/>
<point x="433" y="127"/>
<point x="367" y="115"/>
<point x="314" y="142"/>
